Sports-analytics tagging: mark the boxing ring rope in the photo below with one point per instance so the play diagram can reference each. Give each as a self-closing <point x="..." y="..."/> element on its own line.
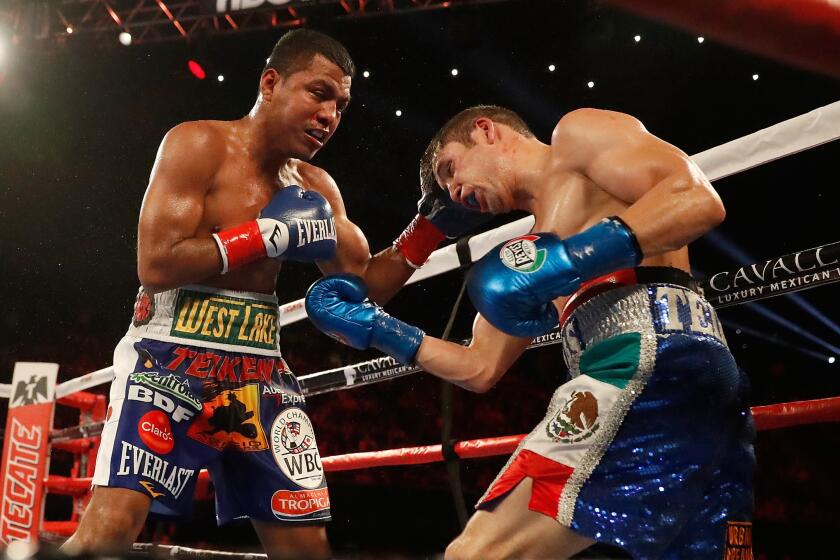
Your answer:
<point x="809" y="130"/>
<point x="769" y="417"/>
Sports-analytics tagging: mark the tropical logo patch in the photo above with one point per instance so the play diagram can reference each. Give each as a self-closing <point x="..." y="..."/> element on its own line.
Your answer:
<point x="522" y="255"/>
<point x="577" y="419"/>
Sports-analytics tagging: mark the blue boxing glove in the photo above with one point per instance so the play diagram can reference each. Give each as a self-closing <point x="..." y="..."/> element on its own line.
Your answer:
<point x="339" y="307"/>
<point x="295" y="225"/>
<point x="514" y="285"/>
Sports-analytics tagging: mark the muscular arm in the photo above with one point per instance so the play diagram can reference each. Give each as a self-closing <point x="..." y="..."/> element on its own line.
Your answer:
<point x="384" y="273"/>
<point x="671" y="201"/>
<point x="168" y="252"/>
<point x="477" y="367"/>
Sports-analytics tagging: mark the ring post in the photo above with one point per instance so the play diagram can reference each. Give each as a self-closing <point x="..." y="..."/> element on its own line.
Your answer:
<point x="25" y="461"/>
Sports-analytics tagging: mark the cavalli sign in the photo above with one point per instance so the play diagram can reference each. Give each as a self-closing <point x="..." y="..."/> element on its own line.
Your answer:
<point x="25" y="451"/>
<point x="789" y="273"/>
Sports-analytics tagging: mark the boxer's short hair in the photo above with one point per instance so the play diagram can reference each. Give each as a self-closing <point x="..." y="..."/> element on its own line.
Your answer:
<point x="458" y="129"/>
<point x="296" y="49"/>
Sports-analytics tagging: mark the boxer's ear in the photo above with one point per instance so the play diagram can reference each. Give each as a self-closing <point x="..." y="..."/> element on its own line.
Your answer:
<point x="487" y="130"/>
<point x="269" y="79"/>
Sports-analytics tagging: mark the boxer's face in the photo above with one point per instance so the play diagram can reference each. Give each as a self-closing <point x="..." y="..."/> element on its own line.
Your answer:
<point x="475" y="176"/>
<point x="304" y="108"/>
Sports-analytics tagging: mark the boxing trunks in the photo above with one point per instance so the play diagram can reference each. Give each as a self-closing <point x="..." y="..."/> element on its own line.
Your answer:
<point x="649" y="446"/>
<point x="200" y="383"/>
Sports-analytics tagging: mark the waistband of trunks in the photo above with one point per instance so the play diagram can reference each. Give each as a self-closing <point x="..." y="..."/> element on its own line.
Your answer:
<point x="651" y="309"/>
<point x="209" y="317"/>
<point x="628" y="277"/>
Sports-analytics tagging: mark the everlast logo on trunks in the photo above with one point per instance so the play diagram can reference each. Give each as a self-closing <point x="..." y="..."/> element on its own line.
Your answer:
<point x="144" y="394"/>
<point x="293" y="444"/>
<point x="310" y="231"/>
<point x="684" y="311"/>
<point x="522" y="255"/>
<point x="294" y="503"/>
<point x="225" y="319"/>
<point x="136" y="461"/>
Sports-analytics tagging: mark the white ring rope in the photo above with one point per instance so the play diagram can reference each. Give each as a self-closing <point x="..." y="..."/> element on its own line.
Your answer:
<point x="786" y="138"/>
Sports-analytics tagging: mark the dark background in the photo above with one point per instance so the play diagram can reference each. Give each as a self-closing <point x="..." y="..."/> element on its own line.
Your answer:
<point x="79" y="128"/>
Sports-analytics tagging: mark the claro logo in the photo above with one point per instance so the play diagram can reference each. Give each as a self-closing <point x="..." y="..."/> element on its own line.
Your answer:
<point x="156" y="433"/>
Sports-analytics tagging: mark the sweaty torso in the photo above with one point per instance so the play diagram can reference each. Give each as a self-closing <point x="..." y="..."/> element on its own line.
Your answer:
<point x="239" y="192"/>
<point x="572" y="203"/>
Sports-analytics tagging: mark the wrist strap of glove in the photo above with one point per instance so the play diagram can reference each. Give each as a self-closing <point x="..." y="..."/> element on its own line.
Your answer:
<point x="240" y="245"/>
<point x="418" y="241"/>
<point x="607" y="246"/>
<point x="396" y="338"/>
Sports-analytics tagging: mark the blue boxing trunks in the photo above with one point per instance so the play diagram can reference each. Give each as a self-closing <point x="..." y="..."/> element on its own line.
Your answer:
<point x="200" y="383"/>
<point x="649" y="446"/>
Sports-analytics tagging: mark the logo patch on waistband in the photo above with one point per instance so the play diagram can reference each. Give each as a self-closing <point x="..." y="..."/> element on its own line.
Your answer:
<point x="521" y="254"/>
<point x="577" y="419"/>
<point x="738" y="541"/>
<point x="225" y="319"/>
<point x="144" y="309"/>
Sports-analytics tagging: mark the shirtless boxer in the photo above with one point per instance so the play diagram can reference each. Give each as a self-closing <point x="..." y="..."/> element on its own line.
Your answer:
<point x="200" y="381"/>
<point x="649" y="446"/>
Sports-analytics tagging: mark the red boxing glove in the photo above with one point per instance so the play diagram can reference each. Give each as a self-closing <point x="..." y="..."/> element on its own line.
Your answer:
<point x="418" y="241"/>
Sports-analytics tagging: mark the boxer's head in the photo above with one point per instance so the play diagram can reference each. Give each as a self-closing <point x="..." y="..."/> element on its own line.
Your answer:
<point x="471" y="158"/>
<point x="304" y="88"/>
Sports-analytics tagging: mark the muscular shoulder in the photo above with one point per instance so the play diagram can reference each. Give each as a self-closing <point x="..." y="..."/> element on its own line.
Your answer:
<point x="584" y="134"/>
<point x="208" y="137"/>
<point x="316" y="179"/>
<point x="193" y="151"/>
<point x="584" y="122"/>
